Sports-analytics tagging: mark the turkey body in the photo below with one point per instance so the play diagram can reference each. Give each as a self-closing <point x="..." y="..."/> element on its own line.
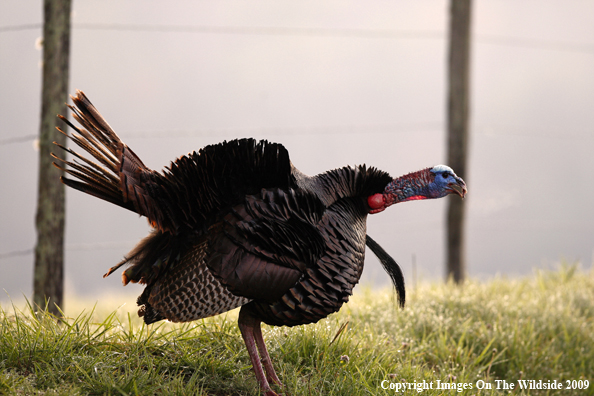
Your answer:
<point x="235" y="224"/>
<point x="290" y="255"/>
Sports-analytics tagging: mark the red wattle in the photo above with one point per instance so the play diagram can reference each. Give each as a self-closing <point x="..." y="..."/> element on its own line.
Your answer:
<point x="376" y="201"/>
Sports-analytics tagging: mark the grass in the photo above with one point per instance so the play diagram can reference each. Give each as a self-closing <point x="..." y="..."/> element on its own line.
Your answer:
<point x="537" y="328"/>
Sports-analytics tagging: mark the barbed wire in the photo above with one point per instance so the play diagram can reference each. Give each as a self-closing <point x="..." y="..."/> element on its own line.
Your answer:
<point x="488" y="131"/>
<point x="503" y="227"/>
<point x="267" y="30"/>
<point x="564" y="46"/>
<point x="274" y="131"/>
<point x="17" y="28"/>
<point x="75" y="247"/>
<point x="246" y="30"/>
<point x="322" y="32"/>
<point x="18" y="139"/>
<point x="16" y="253"/>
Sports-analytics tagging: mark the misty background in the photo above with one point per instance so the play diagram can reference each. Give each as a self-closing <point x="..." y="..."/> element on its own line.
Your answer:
<point x="338" y="83"/>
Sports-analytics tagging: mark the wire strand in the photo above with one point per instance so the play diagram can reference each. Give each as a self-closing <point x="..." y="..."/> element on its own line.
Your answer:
<point x="16" y="253"/>
<point x="17" y="28"/>
<point x="266" y="30"/>
<point x="75" y="247"/>
<point x="19" y="139"/>
<point x="479" y="130"/>
<point x="322" y="32"/>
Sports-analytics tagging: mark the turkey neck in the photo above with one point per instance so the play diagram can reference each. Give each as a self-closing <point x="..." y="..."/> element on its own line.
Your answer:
<point x="408" y="187"/>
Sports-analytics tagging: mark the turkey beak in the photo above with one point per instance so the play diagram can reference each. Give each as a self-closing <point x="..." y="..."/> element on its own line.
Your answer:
<point x="459" y="187"/>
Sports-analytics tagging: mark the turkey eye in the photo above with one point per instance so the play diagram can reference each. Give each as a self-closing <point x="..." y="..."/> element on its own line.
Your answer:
<point x="445" y="175"/>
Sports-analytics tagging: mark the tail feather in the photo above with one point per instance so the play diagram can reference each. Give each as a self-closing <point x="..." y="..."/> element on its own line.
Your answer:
<point x="112" y="172"/>
<point x="105" y="150"/>
<point x="104" y="172"/>
<point x="88" y="116"/>
<point x="391" y="267"/>
<point x="92" y="182"/>
<point x="108" y="147"/>
<point x="93" y="175"/>
<point x="102" y="181"/>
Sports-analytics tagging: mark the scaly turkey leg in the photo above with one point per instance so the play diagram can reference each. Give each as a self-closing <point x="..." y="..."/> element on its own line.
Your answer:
<point x="252" y="335"/>
<point x="264" y="357"/>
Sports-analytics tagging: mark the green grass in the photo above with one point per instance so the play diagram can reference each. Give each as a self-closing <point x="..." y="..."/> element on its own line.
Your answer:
<point x="538" y="328"/>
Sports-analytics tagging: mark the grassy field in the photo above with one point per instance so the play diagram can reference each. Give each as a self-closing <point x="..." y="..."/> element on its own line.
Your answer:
<point x="538" y="328"/>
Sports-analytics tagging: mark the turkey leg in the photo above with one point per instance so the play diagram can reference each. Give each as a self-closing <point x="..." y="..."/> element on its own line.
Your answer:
<point x="252" y="336"/>
<point x="264" y="357"/>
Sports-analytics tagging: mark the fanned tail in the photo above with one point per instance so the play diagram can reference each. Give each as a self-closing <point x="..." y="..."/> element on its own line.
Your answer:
<point x="100" y="179"/>
<point x="114" y="174"/>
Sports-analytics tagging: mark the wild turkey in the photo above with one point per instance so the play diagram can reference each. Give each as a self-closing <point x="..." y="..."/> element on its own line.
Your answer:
<point x="236" y="224"/>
